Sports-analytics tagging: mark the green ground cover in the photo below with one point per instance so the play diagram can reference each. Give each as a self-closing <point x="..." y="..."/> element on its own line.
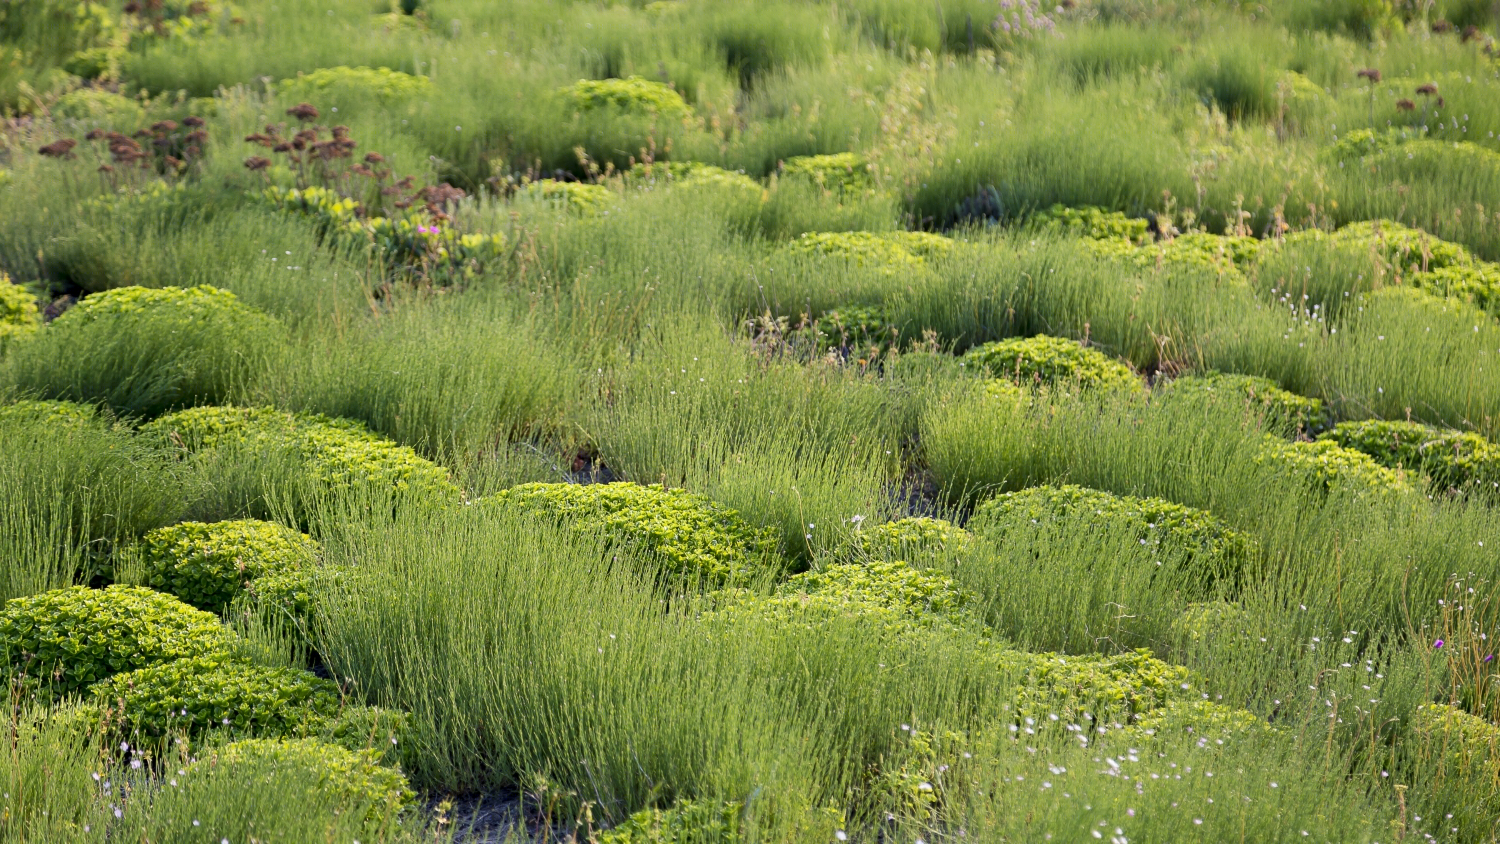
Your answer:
<point x="799" y="421"/>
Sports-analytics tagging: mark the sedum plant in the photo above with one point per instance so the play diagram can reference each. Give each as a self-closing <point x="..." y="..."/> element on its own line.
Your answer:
<point x="1450" y="459"/>
<point x="206" y="565"/>
<point x="1055" y="361"/>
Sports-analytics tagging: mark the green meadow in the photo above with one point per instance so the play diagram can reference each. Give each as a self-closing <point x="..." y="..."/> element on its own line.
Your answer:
<point x="693" y="422"/>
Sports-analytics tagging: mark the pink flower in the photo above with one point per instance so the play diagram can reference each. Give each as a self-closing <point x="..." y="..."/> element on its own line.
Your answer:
<point x="1438" y="643"/>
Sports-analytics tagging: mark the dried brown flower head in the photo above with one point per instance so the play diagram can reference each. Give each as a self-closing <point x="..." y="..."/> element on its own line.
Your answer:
<point x="1370" y="73"/>
<point x="303" y="112"/>
<point x="192" y="122"/>
<point x="59" y="149"/>
<point x="255" y="163"/>
<point x="1427" y="89"/>
<point x="1406" y="105"/>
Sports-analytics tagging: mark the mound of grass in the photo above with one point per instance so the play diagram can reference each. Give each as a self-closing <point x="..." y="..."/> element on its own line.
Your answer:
<point x="69" y="639"/>
<point x="330" y="455"/>
<point x="632" y="95"/>
<point x="143" y="351"/>
<point x="1450" y="459"/>
<point x="1217" y="551"/>
<point x="1280" y="407"/>
<point x="694" y="537"/>
<point x="1053" y="361"/>
<point x="206" y="565"/>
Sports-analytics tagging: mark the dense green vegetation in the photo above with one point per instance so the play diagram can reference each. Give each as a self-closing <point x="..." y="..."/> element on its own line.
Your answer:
<point x="688" y="421"/>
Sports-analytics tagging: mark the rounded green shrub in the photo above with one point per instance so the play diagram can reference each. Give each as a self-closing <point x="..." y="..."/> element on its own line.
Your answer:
<point x="1409" y="250"/>
<point x="1092" y="222"/>
<point x="1326" y="465"/>
<point x="1214" y="548"/>
<point x="347" y="781"/>
<point x="1056" y="361"/>
<point x="633" y="95"/>
<point x="694" y="537"/>
<point x="206" y="565"/>
<point x="684" y="822"/>
<point x="1464" y="750"/>
<point x="19" y="316"/>
<point x="1450" y="459"/>
<point x="860" y="330"/>
<point x="843" y="172"/>
<point x="861" y="249"/>
<point x="143" y="351"/>
<point x="334" y="454"/>
<point x="1477" y="284"/>
<point x="1280" y="407"/>
<point x="1119" y="688"/>
<point x="914" y="596"/>
<point x="95" y="106"/>
<point x="71" y="638"/>
<point x="51" y="413"/>
<point x="579" y="198"/>
<point x="381" y="82"/>
<point x="216" y="692"/>
<point x="913" y="539"/>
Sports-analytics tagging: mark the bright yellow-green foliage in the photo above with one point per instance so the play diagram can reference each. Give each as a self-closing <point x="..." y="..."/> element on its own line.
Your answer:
<point x="210" y="329"/>
<point x="1477" y="283"/>
<point x="1055" y="361"/>
<point x="100" y="107"/>
<point x="633" y="95"/>
<point x="861" y="331"/>
<point x="346" y="780"/>
<point x="923" y="244"/>
<point x="18" y="311"/>
<point x="1281" y="407"/>
<point x="724" y="184"/>
<point x="843" y="172"/>
<point x="1209" y="621"/>
<point x="1327" y="465"/>
<point x="1093" y="222"/>
<point x="914" y="596"/>
<point x="218" y="692"/>
<point x="1407" y="249"/>
<point x="336" y="453"/>
<point x="54" y="413"/>
<point x="1221" y="254"/>
<point x="685" y="822"/>
<point x="1206" y="720"/>
<point x="1211" y="544"/>
<point x="862" y="249"/>
<point x="71" y="638"/>
<point x="575" y="197"/>
<point x="914" y="539"/>
<point x="1355" y="145"/>
<point x="1451" y="459"/>
<point x="206" y="565"/>
<point x="695" y="537"/>
<point x="1466" y="749"/>
<point x="1121" y="688"/>
<point x="382" y="82"/>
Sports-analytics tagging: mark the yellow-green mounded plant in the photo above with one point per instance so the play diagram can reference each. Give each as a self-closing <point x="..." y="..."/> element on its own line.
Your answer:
<point x="69" y="639"/>
<point x="1215" y="549"/>
<point x="1324" y="464"/>
<point x="1280" y="407"/>
<point x="694" y="536"/>
<point x="1450" y="459"/>
<point x="380" y="81"/>
<point x="1093" y="222"/>
<point x="1055" y="361"/>
<point x="350" y="781"/>
<point x="915" y="539"/>
<point x="18" y="312"/>
<point x="633" y="95"/>
<point x="206" y="565"/>
<point x="843" y="172"/>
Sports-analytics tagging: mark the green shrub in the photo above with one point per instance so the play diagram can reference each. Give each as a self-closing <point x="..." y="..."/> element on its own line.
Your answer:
<point x="1119" y="688"/>
<point x="19" y="316"/>
<point x="917" y="597"/>
<point x="632" y="95"/>
<point x="72" y="638"/>
<point x="145" y="351"/>
<point x="1477" y="283"/>
<point x="1462" y="752"/>
<point x="574" y="197"/>
<point x="95" y="106"/>
<point x="1409" y="250"/>
<point x="1280" y="407"/>
<point x="292" y="592"/>
<point x="382" y="82"/>
<point x="1326" y="465"/>
<point x="914" y="539"/>
<point x="1210" y="621"/>
<point x="1354" y="146"/>
<point x="220" y="691"/>
<point x="862" y="249"/>
<point x="206" y="565"/>
<point x="863" y="332"/>
<point x="1216" y="549"/>
<point x="1053" y="361"/>
<point x="1093" y="222"/>
<point x="695" y="537"/>
<point x="1450" y="459"/>
<point x="347" y="780"/>
<point x="51" y="413"/>
<point x="335" y="454"/>
<point x="685" y="822"/>
<point x="1202" y="719"/>
<point x="843" y="172"/>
